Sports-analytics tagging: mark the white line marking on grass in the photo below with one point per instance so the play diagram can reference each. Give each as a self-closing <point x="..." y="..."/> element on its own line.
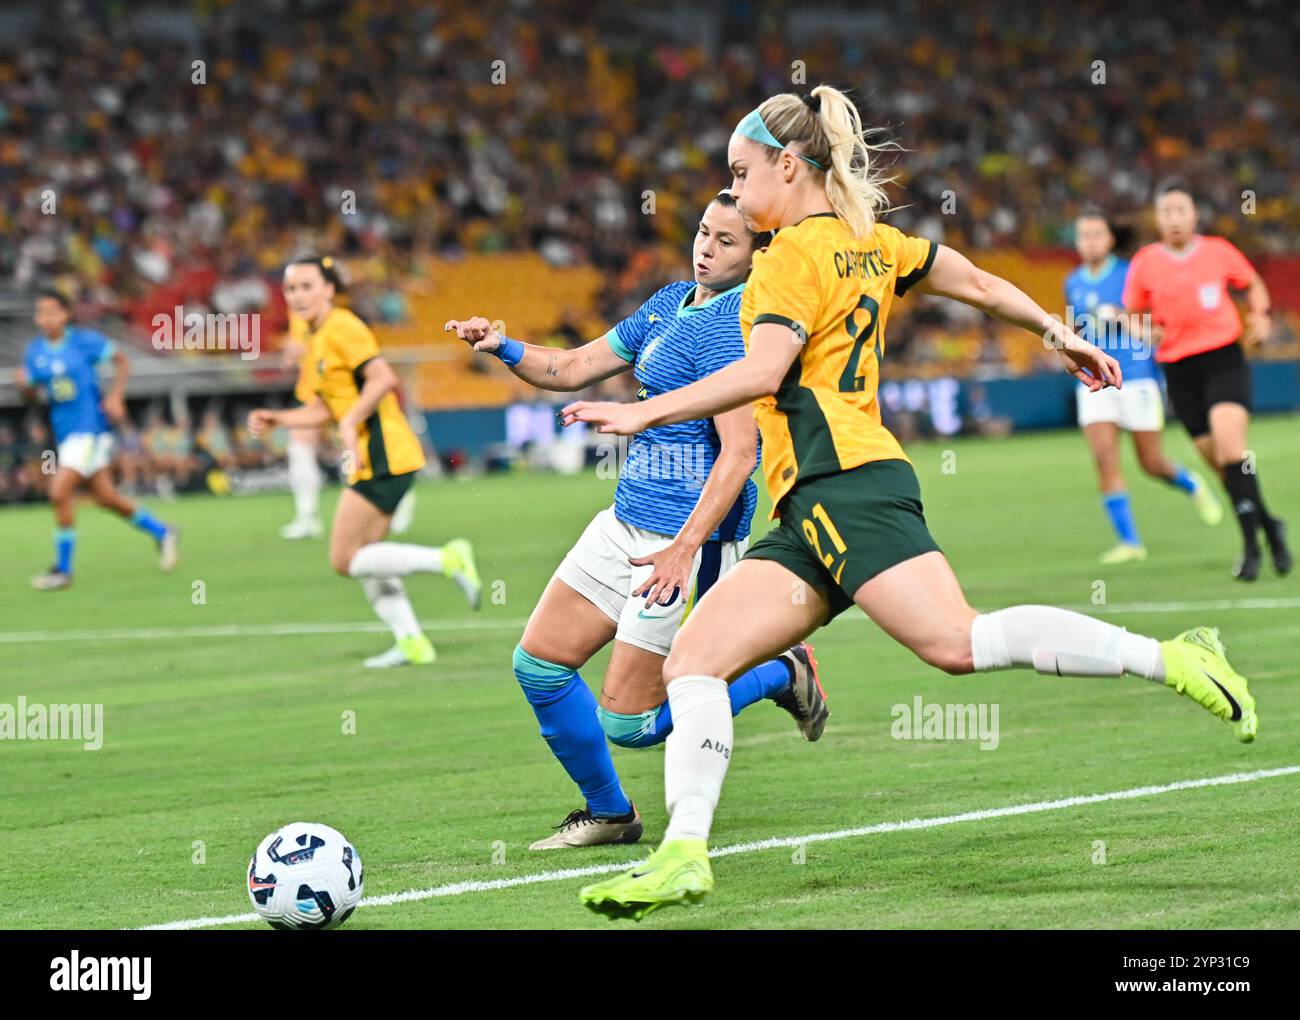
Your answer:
<point x="461" y="888"/>
<point x="238" y="630"/>
<point x="1182" y="607"/>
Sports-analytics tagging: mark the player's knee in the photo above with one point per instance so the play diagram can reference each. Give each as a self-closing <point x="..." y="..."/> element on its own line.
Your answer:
<point x="629" y="730"/>
<point x="953" y="657"/>
<point x="542" y="681"/>
<point x="675" y="664"/>
<point x="341" y="562"/>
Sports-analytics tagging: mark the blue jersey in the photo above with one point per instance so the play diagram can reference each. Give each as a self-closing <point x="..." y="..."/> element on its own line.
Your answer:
<point x="1095" y="302"/>
<point x="68" y="372"/>
<point x="672" y="344"/>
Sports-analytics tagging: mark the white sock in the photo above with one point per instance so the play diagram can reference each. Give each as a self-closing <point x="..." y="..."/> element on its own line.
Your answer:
<point x="387" y="597"/>
<point x="1057" y="642"/>
<point x="696" y="754"/>
<point x="394" y="559"/>
<point x="304" y="480"/>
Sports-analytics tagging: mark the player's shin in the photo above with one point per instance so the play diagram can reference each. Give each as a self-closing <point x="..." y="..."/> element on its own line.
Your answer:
<point x="65" y="545"/>
<point x="1058" y="642"/>
<point x="304" y="480"/>
<point x="566" y="713"/>
<point x="697" y="754"/>
<point x="148" y="523"/>
<point x="645" y="729"/>
<point x="387" y="597"/>
<point x="395" y="559"/>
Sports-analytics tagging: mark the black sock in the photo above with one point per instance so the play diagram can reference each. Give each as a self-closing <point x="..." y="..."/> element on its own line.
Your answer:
<point x="1243" y="489"/>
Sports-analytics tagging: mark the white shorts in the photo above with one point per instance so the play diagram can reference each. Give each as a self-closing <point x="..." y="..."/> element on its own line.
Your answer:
<point x="597" y="568"/>
<point x="86" y="452"/>
<point x="1138" y="407"/>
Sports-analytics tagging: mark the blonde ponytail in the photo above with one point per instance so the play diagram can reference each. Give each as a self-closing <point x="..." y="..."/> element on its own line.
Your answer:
<point x="827" y="131"/>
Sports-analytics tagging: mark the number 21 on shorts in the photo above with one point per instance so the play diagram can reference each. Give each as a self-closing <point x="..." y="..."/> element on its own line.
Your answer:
<point x="814" y="539"/>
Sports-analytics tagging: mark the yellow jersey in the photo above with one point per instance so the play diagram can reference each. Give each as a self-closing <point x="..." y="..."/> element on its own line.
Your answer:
<point x="304" y="390"/>
<point x="835" y="291"/>
<point x="340" y="348"/>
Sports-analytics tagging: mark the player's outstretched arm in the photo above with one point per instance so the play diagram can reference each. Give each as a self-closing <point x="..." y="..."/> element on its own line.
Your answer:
<point x="772" y="350"/>
<point x="1259" y="324"/>
<point x="955" y="276"/>
<point x="24" y="383"/>
<point x="309" y="416"/>
<point x="115" y="399"/>
<point x="738" y="435"/>
<point x="547" y="368"/>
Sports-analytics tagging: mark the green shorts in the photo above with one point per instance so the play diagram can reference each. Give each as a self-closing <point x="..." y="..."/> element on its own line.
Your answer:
<point x="839" y="531"/>
<point x="385" y="491"/>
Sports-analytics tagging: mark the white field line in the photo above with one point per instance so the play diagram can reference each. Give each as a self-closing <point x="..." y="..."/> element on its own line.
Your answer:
<point x="237" y="630"/>
<point x="461" y="888"/>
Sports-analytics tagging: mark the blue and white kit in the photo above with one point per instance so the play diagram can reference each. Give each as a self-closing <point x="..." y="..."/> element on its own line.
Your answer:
<point x="671" y="343"/>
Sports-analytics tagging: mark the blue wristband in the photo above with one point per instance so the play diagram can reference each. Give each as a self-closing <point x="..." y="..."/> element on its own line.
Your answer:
<point x="511" y="352"/>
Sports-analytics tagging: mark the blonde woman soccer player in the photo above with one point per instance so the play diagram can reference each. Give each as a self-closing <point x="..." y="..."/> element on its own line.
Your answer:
<point x="851" y="526"/>
<point x="680" y="519"/>
<point x="354" y="388"/>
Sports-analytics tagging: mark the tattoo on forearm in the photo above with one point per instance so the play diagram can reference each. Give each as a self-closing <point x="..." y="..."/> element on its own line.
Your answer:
<point x="551" y="368"/>
<point x="591" y="360"/>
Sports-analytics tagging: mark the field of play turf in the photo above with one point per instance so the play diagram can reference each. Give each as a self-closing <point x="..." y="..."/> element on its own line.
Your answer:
<point x="234" y="701"/>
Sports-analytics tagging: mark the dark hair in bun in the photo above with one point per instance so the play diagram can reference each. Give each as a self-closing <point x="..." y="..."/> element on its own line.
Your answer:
<point x="329" y="269"/>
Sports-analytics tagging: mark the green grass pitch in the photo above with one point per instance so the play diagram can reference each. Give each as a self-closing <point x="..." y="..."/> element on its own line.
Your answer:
<point x="218" y="729"/>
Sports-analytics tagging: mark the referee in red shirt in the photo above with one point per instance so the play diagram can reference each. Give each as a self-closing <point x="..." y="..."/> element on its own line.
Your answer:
<point x="1183" y="281"/>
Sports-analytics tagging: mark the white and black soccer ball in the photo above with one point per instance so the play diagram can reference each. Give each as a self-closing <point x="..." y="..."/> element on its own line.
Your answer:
<point x="305" y="875"/>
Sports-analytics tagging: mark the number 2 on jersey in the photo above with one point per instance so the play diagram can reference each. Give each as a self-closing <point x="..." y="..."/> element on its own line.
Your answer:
<point x="850" y="381"/>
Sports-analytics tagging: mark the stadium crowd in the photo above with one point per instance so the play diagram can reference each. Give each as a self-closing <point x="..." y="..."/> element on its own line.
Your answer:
<point x="381" y="130"/>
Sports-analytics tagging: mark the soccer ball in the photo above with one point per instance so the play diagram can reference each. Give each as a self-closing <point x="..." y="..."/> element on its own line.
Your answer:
<point x="305" y="875"/>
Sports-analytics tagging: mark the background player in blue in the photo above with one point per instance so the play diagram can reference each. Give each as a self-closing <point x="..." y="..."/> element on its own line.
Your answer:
<point x="681" y="516"/>
<point x="1094" y="303"/>
<point x="63" y="362"/>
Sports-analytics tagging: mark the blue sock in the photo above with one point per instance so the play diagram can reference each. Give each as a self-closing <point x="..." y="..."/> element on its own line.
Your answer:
<point x="146" y="521"/>
<point x="1120" y="512"/>
<point x="1183" y="480"/>
<point x="65" y="543"/>
<point x="566" y="710"/>
<point x="763" y="681"/>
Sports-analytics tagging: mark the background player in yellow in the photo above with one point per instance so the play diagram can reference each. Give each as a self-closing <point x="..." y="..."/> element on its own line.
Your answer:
<point x="354" y="388"/>
<point x="303" y="447"/>
<point x="851" y="524"/>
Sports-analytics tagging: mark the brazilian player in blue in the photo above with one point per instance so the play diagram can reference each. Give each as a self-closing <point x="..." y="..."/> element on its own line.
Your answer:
<point x="1094" y="298"/>
<point x="64" y="362"/>
<point x="680" y="519"/>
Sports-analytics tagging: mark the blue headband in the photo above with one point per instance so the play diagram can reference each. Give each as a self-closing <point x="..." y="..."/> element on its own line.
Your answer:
<point x="753" y="127"/>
